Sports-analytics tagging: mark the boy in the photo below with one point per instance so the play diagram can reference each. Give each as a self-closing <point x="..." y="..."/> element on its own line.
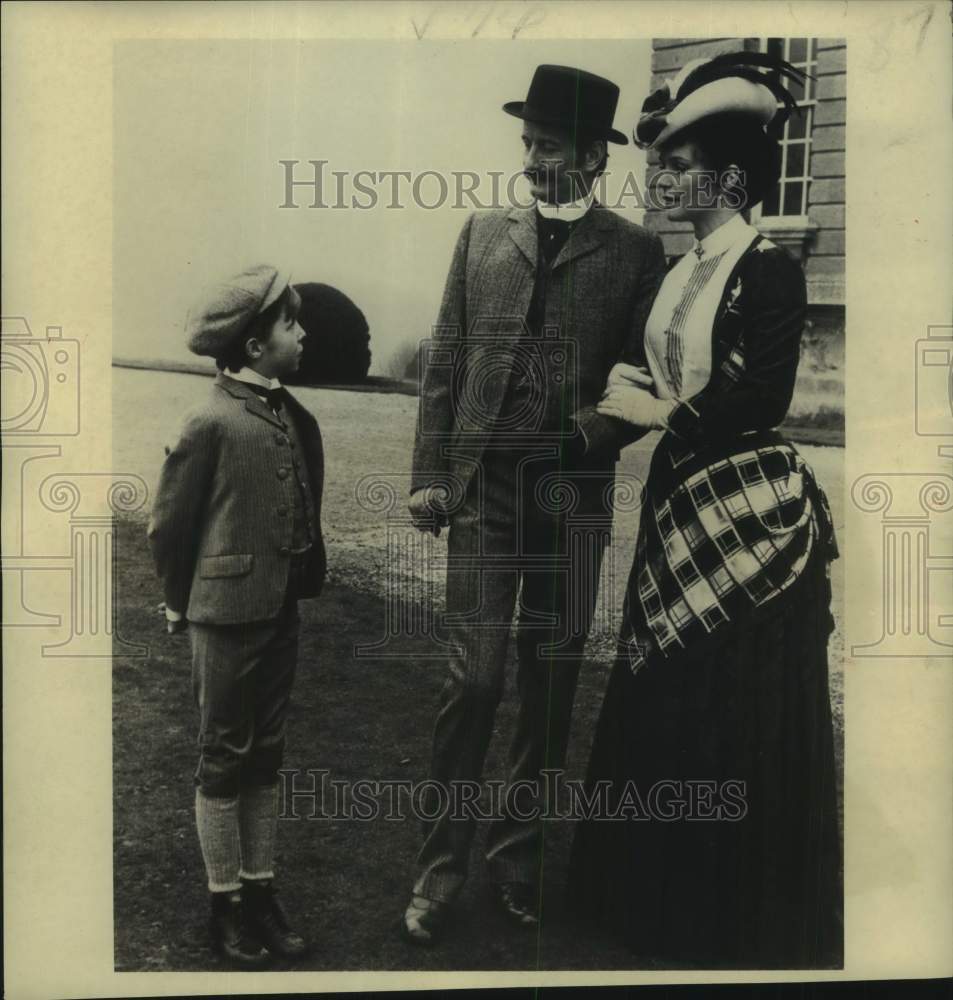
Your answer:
<point x="236" y="536"/>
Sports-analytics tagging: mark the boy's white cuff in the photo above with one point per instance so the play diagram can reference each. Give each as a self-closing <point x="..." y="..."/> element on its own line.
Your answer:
<point x="172" y="616"/>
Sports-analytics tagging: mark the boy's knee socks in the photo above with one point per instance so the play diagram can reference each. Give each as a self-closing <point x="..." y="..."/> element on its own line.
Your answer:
<point x="217" y="821"/>
<point x="258" y="824"/>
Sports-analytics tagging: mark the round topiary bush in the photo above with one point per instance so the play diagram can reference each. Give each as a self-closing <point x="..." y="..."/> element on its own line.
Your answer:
<point x="337" y="345"/>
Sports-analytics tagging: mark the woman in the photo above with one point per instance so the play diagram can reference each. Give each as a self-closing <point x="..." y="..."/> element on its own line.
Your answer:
<point x="715" y="738"/>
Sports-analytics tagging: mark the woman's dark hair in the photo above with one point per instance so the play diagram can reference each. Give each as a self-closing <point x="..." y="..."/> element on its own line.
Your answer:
<point x="285" y="306"/>
<point x="725" y="139"/>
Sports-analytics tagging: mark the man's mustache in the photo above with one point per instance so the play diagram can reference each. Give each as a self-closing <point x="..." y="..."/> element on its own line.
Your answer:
<point x="546" y="173"/>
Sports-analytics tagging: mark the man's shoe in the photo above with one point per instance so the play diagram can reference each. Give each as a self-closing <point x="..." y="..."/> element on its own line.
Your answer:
<point x="268" y="921"/>
<point x="424" y="921"/>
<point x="519" y="902"/>
<point x="230" y="934"/>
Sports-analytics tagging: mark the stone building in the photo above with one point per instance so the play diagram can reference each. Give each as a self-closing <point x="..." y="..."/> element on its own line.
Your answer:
<point x="806" y="211"/>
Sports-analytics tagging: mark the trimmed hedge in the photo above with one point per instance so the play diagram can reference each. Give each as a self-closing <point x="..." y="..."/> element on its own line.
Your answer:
<point x="337" y="341"/>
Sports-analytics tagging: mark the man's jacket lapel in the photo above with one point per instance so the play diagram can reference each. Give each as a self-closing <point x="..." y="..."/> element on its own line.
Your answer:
<point x="587" y="236"/>
<point x="523" y="232"/>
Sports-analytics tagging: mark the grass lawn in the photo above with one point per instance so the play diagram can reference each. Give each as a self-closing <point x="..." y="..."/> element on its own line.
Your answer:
<point x="345" y="882"/>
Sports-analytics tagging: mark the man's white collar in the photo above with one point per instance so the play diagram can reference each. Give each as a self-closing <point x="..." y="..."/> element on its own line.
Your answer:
<point x="570" y="211"/>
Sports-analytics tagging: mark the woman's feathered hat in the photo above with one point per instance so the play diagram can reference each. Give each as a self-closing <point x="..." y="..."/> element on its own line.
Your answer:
<point x="742" y="83"/>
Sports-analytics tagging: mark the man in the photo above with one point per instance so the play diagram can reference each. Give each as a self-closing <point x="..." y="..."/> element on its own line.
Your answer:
<point x="540" y="303"/>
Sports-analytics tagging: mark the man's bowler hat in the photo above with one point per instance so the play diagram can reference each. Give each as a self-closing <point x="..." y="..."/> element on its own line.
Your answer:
<point x="573" y="99"/>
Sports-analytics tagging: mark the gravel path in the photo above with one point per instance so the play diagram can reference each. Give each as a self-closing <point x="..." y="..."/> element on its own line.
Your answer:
<point x="368" y="439"/>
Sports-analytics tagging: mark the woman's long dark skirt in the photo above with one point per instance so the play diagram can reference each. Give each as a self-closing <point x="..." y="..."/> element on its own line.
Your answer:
<point x="760" y="891"/>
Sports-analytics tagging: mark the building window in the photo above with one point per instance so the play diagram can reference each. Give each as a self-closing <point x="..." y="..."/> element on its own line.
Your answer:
<point x="789" y="199"/>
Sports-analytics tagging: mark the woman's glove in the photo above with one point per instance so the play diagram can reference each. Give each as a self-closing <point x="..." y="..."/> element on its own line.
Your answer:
<point x="635" y="405"/>
<point x="623" y="374"/>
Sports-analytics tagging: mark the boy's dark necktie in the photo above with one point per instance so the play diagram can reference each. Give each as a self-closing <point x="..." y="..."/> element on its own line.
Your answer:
<point x="273" y="397"/>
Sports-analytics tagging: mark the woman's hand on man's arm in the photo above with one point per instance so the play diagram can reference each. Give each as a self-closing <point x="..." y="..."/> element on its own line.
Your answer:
<point x="629" y="396"/>
<point x="623" y="374"/>
<point x="636" y="406"/>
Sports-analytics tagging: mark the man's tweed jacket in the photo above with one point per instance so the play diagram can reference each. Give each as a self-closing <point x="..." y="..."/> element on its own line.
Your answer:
<point x="221" y="525"/>
<point x="598" y="295"/>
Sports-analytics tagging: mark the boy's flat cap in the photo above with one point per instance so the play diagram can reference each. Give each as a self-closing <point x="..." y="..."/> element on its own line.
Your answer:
<point x="225" y="309"/>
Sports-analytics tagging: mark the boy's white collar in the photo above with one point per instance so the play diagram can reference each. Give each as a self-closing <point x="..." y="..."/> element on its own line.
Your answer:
<point x="252" y="377"/>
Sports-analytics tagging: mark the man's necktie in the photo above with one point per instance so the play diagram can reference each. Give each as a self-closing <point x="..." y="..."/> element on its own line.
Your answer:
<point x="553" y="234"/>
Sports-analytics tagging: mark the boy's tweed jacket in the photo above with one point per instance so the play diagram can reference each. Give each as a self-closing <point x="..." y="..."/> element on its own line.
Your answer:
<point x="221" y="526"/>
<point x="598" y="294"/>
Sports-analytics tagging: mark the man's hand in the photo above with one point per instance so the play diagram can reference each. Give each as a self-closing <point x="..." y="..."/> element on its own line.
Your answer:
<point x="427" y="510"/>
<point x="623" y="374"/>
<point x="174" y="621"/>
<point x="636" y="406"/>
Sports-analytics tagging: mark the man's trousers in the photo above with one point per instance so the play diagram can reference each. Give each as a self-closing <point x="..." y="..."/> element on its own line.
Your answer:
<point x="527" y="529"/>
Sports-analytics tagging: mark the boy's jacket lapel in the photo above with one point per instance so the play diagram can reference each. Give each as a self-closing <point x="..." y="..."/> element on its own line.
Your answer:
<point x="253" y="402"/>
